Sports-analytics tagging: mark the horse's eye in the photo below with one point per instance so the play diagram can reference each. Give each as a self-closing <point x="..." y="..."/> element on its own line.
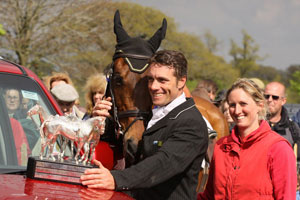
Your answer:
<point x="118" y="80"/>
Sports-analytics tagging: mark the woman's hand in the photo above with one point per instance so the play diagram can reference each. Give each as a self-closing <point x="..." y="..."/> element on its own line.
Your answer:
<point x="102" y="108"/>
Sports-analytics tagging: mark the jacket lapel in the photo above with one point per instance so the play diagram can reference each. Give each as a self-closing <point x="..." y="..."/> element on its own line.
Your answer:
<point x="171" y="115"/>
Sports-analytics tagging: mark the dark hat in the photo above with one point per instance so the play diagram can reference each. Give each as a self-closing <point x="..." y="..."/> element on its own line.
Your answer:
<point x="141" y="49"/>
<point x="65" y="92"/>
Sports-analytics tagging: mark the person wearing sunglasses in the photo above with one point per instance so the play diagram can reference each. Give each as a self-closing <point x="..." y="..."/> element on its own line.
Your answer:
<point x="278" y="118"/>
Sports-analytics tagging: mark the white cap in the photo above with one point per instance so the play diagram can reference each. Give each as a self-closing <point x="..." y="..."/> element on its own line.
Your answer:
<point x="65" y="92"/>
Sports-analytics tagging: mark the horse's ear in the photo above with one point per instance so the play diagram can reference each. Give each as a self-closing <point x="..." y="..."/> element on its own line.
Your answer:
<point x="160" y="34"/>
<point x="118" y="28"/>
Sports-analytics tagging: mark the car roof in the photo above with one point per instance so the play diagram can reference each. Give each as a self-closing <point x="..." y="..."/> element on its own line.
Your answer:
<point x="13" y="68"/>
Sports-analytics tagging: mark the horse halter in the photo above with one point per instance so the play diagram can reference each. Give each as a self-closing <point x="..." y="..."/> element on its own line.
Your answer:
<point x="138" y="114"/>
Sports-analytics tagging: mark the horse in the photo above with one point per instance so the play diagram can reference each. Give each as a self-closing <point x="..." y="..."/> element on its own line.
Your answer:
<point x="38" y="110"/>
<point x="80" y="131"/>
<point x="132" y="103"/>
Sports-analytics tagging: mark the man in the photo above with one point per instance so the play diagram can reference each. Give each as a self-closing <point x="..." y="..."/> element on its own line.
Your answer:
<point x="58" y="78"/>
<point x="278" y="115"/>
<point x="66" y="95"/>
<point x="173" y="145"/>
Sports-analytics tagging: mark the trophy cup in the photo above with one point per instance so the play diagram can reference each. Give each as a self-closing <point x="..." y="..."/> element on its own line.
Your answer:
<point x="85" y="133"/>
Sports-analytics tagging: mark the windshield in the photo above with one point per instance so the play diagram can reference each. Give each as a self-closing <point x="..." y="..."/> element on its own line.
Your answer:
<point x="24" y="106"/>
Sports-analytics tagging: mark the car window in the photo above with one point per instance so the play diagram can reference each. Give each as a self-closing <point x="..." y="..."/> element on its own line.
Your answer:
<point x="24" y="106"/>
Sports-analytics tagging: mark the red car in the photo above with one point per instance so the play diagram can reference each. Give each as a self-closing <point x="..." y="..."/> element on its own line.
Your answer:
<point x="20" y="91"/>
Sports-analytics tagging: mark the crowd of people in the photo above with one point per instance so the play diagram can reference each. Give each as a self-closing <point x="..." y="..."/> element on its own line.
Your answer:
<point x="256" y="160"/>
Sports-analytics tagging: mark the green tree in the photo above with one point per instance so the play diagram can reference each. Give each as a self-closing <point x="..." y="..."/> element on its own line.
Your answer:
<point x="294" y="89"/>
<point x="245" y="57"/>
<point x="25" y="37"/>
<point x="77" y="37"/>
<point x="295" y="82"/>
<point x="211" y="42"/>
<point x="266" y="74"/>
<point x="2" y="31"/>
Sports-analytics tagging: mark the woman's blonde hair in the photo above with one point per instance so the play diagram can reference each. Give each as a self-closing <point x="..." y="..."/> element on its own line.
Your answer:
<point x="95" y="83"/>
<point x="254" y="91"/>
<point x="57" y="76"/>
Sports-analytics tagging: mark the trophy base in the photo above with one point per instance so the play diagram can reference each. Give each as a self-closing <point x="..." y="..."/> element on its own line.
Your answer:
<point x="65" y="172"/>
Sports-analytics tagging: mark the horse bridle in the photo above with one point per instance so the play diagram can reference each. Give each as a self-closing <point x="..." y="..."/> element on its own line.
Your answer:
<point x="138" y="114"/>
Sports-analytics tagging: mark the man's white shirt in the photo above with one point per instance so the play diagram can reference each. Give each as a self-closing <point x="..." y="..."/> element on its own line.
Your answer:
<point x="160" y="112"/>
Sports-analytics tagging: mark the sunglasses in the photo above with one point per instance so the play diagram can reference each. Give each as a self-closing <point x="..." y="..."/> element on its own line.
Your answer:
<point x="274" y="97"/>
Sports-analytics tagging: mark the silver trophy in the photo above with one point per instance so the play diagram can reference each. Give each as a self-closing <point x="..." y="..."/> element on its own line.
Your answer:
<point x="52" y="164"/>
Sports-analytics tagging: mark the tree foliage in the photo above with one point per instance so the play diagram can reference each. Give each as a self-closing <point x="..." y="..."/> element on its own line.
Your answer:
<point x="25" y="39"/>
<point x="211" y="42"/>
<point x="2" y="31"/>
<point x="295" y="82"/>
<point x="245" y="57"/>
<point x="77" y="36"/>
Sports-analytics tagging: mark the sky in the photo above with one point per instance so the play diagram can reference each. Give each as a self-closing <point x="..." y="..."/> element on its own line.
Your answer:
<point x="273" y="24"/>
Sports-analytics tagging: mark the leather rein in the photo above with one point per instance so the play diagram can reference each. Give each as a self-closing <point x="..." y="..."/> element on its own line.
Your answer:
<point x="138" y="114"/>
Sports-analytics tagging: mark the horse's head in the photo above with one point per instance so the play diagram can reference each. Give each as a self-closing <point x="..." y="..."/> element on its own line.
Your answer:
<point x="129" y="84"/>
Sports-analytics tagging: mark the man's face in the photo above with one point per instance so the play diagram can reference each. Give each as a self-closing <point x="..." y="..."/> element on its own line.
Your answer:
<point x="12" y="99"/>
<point x="66" y="107"/>
<point x="274" y="95"/>
<point x="163" y="85"/>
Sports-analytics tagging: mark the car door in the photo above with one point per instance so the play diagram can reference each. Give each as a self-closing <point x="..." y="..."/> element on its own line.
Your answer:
<point x="19" y="132"/>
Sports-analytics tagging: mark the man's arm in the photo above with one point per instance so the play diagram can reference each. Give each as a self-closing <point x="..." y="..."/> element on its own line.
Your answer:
<point x="186" y="143"/>
<point x="98" y="177"/>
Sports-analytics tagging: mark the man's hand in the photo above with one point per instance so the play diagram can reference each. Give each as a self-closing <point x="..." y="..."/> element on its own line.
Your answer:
<point x="102" y="107"/>
<point x="98" y="178"/>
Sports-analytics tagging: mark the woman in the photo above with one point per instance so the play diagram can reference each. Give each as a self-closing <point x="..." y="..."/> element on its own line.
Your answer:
<point x="95" y="88"/>
<point x="225" y="111"/>
<point x="253" y="162"/>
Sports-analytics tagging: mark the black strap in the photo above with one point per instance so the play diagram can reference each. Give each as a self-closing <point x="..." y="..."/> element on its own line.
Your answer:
<point x="121" y="54"/>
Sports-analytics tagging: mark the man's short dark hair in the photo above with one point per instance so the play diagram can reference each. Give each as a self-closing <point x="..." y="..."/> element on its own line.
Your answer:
<point x="173" y="59"/>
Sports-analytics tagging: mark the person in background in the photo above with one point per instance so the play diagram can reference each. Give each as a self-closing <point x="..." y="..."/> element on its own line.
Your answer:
<point x="173" y="145"/>
<point x="259" y="83"/>
<point x="207" y="89"/>
<point x="220" y="98"/>
<point x="225" y="110"/>
<point x="58" y="78"/>
<point x="253" y="162"/>
<point x="95" y="89"/>
<point x="66" y="95"/>
<point x="278" y="118"/>
<point x="13" y="100"/>
<point x="24" y="131"/>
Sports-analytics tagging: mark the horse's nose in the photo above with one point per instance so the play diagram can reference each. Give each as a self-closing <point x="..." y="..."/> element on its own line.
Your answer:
<point x="131" y="146"/>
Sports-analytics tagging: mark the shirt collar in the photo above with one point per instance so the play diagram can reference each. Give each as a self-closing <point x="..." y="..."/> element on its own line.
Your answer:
<point x="164" y="110"/>
<point x="160" y="112"/>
